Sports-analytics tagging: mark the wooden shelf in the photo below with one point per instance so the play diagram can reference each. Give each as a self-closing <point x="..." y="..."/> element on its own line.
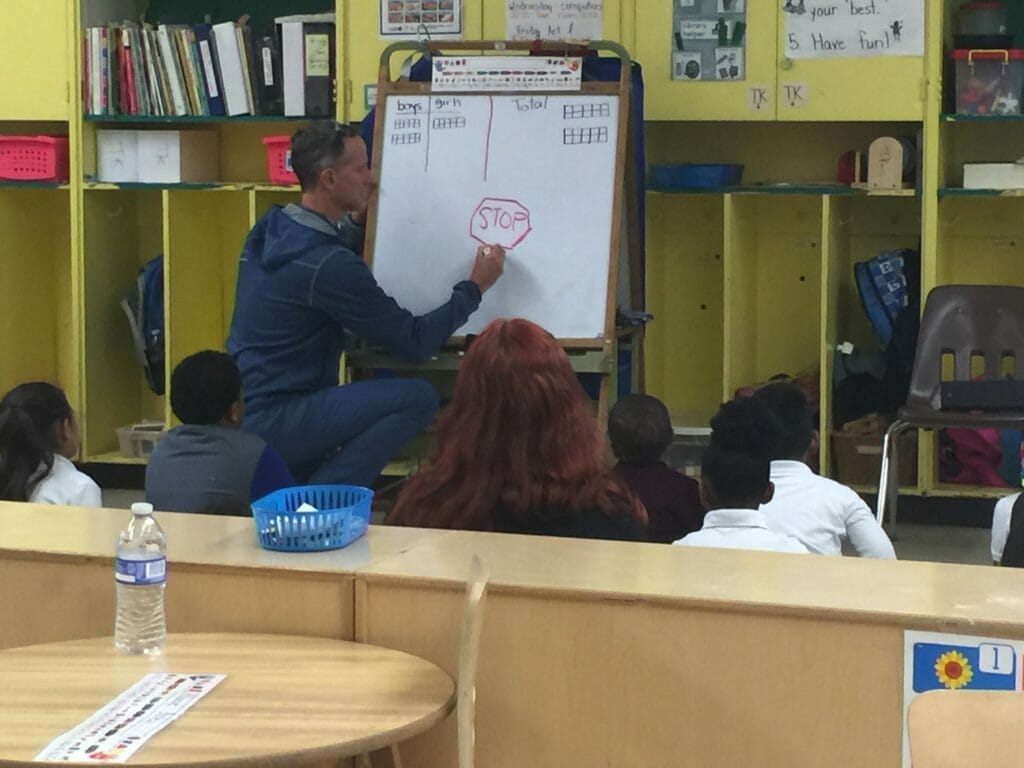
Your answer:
<point x="33" y="185"/>
<point x="211" y="186"/>
<point x="950" y="490"/>
<point x="945" y="192"/>
<point x="186" y="119"/>
<point x="114" y="457"/>
<point x="783" y="189"/>
<point x="951" y="117"/>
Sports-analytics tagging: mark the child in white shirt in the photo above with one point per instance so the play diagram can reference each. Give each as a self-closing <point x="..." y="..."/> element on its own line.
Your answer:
<point x="38" y="438"/>
<point x="734" y="481"/>
<point x="818" y="511"/>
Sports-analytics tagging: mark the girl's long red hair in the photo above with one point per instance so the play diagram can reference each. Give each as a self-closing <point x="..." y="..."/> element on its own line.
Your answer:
<point x="518" y="444"/>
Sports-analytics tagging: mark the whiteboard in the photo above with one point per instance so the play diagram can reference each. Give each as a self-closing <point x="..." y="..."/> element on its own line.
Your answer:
<point x="535" y="173"/>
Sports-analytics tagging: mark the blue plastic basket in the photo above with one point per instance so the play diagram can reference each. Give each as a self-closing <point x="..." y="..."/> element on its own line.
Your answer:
<point x="343" y="513"/>
<point x="695" y="176"/>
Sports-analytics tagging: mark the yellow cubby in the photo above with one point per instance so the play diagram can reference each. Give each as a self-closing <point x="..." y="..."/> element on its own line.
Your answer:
<point x="37" y="329"/>
<point x="123" y="229"/>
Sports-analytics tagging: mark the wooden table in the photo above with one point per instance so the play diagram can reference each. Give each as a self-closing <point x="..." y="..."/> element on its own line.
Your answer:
<point x="285" y="701"/>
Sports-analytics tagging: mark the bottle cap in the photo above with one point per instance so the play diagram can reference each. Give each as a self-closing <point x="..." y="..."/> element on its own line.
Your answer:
<point x="142" y="508"/>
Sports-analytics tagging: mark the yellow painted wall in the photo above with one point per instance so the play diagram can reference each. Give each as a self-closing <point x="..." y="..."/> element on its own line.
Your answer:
<point x="37" y="76"/>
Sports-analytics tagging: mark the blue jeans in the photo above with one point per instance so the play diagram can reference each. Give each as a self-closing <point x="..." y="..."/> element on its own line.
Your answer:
<point x="348" y="434"/>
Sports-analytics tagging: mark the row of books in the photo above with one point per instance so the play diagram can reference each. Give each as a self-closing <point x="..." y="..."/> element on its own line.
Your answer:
<point x="210" y="69"/>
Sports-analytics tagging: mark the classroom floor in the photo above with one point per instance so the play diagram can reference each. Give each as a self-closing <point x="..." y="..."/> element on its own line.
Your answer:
<point x="914" y="541"/>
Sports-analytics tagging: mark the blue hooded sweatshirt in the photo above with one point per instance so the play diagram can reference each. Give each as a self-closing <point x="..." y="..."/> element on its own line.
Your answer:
<point x="301" y="285"/>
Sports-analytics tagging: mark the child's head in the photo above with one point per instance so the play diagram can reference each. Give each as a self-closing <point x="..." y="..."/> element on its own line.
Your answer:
<point x="206" y="388"/>
<point x="788" y="405"/>
<point x="736" y="464"/>
<point x="36" y="422"/>
<point x="640" y="429"/>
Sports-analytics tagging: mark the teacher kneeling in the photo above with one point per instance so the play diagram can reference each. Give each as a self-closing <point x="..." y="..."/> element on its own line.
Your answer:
<point x="302" y="283"/>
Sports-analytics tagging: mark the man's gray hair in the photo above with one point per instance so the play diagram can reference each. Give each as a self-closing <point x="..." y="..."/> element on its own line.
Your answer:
<point x="319" y="146"/>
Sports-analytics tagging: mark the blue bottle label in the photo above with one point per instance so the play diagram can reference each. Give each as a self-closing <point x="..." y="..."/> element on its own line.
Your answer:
<point x="141" y="573"/>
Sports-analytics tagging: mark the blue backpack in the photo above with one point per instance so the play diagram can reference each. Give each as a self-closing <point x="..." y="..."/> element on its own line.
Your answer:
<point x="882" y="285"/>
<point x="144" y="308"/>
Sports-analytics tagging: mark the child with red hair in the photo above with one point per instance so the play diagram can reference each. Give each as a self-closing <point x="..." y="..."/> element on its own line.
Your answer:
<point x="518" y="449"/>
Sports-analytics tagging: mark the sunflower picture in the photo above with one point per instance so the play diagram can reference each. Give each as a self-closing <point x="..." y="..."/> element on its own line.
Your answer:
<point x="953" y="670"/>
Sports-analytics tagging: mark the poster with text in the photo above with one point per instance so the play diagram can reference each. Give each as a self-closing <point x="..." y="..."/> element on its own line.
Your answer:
<point x="831" y="29"/>
<point x="554" y="19"/>
<point x="934" y="661"/>
<point x="415" y="19"/>
<point x="709" y="39"/>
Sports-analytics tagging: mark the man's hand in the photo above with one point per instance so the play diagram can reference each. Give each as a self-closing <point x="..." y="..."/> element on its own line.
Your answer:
<point x="489" y="264"/>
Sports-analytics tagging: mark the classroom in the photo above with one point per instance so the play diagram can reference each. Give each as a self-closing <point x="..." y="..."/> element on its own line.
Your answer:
<point x="512" y="382"/>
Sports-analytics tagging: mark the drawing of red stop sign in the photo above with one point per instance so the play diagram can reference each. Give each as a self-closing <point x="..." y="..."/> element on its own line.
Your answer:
<point x="500" y="221"/>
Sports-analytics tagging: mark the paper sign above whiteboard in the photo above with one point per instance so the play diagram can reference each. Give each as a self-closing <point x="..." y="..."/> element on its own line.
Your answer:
<point x="831" y="29"/>
<point x="554" y="19"/>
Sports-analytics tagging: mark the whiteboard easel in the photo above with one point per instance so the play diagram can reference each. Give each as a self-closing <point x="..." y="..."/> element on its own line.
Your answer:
<point x="418" y="202"/>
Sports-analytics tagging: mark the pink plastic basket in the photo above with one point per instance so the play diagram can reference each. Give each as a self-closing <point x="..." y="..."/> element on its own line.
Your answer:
<point x="279" y="160"/>
<point x="34" y="158"/>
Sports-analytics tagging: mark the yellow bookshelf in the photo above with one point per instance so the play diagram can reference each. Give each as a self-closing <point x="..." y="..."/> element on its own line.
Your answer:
<point x="744" y="282"/>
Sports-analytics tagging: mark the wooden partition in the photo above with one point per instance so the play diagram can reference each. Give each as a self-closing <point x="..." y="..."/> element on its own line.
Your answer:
<point x="593" y="652"/>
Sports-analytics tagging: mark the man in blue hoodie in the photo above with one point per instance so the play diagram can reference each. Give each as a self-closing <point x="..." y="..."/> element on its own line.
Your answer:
<point x="302" y="283"/>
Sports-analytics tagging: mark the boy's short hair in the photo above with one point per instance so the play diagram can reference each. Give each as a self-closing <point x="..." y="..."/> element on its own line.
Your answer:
<point x="204" y="386"/>
<point x="788" y="404"/>
<point x="737" y="462"/>
<point x="640" y="429"/>
<point x="316" y="147"/>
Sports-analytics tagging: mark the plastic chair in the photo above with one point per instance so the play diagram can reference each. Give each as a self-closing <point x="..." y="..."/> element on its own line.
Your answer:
<point x="966" y="729"/>
<point x="465" y="684"/>
<point x="966" y="322"/>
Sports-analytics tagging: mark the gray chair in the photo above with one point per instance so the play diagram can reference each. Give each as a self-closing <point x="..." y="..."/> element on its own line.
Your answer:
<point x="965" y="322"/>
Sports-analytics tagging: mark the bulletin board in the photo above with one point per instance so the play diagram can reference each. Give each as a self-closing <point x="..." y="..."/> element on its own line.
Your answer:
<point x="709" y="39"/>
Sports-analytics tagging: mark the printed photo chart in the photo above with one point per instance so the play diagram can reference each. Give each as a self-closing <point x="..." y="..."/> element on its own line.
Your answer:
<point x="123" y="726"/>
<point x="709" y="39"/>
<point x="936" y="661"/>
<point x="832" y="29"/>
<point x="412" y="19"/>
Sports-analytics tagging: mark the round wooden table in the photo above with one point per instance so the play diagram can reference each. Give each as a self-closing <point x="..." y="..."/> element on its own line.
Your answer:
<point x="285" y="701"/>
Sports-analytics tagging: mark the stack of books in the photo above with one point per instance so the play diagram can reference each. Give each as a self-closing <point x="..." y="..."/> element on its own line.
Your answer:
<point x="206" y="69"/>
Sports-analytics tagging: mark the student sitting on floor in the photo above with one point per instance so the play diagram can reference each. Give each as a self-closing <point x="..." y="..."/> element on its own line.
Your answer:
<point x="518" y="449"/>
<point x="38" y="439"/>
<point x="208" y="464"/>
<point x="1003" y="515"/>
<point x="818" y="511"/>
<point x="641" y="431"/>
<point x="734" y="481"/>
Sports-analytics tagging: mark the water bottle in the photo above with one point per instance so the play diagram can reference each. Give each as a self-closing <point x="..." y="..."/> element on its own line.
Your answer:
<point x="140" y="572"/>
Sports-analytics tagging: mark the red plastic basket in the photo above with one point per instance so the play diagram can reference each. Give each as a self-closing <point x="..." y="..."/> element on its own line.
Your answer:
<point x="279" y="160"/>
<point x="34" y="158"/>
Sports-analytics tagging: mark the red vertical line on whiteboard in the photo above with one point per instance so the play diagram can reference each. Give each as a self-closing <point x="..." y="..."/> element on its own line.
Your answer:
<point x="426" y="155"/>
<point x="487" y="146"/>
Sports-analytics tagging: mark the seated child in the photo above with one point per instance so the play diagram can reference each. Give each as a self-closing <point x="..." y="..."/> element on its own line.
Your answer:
<point x="1002" y="518"/>
<point x="818" y="511"/>
<point x="38" y="439"/>
<point x="208" y="464"/>
<point x="734" y="481"/>
<point x="641" y="432"/>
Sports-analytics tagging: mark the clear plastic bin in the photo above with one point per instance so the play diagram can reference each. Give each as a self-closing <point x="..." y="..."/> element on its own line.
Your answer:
<point x="989" y="82"/>
<point x="136" y="441"/>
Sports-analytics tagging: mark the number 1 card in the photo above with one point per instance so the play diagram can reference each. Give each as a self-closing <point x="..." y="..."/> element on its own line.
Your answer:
<point x="937" y="661"/>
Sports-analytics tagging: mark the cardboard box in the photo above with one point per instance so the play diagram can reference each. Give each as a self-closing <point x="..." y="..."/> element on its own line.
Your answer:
<point x="857" y="453"/>
<point x="171" y="157"/>
<point x="117" y="155"/>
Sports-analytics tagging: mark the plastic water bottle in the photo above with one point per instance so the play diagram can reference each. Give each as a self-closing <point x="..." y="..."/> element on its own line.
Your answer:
<point x="140" y="572"/>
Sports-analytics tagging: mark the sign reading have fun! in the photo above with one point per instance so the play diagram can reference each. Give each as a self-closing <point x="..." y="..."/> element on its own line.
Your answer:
<point x="819" y="29"/>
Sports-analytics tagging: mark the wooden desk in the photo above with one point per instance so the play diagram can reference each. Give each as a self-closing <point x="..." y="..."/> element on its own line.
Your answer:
<point x="285" y="701"/>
